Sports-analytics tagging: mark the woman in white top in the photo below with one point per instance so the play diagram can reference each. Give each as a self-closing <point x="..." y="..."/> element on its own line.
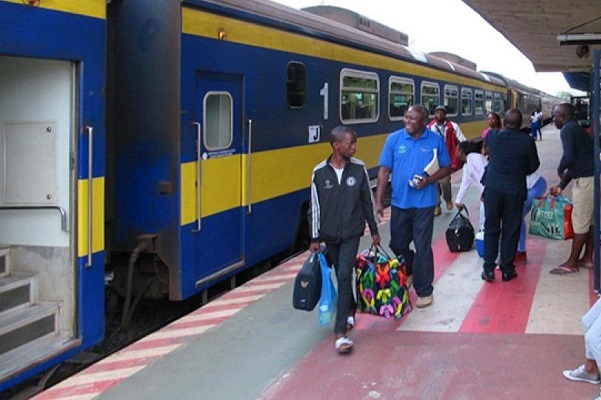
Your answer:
<point x="470" y="153"/>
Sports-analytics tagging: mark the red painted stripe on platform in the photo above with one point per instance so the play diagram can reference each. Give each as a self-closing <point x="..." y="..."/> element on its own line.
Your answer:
<point x="77" y="391"/>
<point x="504" y="307"/>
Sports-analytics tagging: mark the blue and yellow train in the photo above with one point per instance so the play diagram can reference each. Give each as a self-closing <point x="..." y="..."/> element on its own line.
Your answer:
<point x="159" y="147"/>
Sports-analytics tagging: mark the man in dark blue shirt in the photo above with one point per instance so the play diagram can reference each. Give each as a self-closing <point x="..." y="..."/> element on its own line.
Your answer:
<point x="577" y="163"/>
<point x="513" y="156"/>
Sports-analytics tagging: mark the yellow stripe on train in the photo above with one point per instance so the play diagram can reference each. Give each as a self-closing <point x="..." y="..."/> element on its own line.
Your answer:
<point x="199" y="23"/>
<point x="224" y="180"/>
<point x="91" y="8"/>
<point x="97" y="216"/>
<point x="274" y="173"/>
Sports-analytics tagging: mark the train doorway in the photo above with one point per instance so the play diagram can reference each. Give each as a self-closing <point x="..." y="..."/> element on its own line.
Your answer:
<point x="37" y="202"/>
<point x="219" y="228"/>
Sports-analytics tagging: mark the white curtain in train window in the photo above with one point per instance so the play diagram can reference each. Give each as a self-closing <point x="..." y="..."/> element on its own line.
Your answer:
<point x="218" y="121"/>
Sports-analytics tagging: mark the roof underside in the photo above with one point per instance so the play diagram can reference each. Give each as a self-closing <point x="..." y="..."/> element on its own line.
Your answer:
<point x="534" y="25"/>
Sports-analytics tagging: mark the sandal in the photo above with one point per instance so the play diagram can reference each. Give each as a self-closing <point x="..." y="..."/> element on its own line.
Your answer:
<point x="343" y="345"/>
<point x="561" y="270"/>
<point x="350" y="323"/>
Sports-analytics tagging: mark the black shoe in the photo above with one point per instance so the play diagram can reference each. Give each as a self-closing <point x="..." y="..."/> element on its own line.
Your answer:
<point x="488" y="276"/>
<point x="507" y="276"/>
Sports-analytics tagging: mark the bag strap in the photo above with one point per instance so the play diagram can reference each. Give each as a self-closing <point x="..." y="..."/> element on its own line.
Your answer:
<point x="381" y="249"/>
<point x="459" y="212"/>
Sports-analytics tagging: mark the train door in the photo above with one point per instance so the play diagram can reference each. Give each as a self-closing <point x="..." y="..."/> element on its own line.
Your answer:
<point x="219" y="228"/>
<point x="37" y="212"/>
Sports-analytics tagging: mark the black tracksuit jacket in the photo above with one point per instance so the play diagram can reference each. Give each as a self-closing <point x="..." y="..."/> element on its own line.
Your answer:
<point x="339" y="211"/>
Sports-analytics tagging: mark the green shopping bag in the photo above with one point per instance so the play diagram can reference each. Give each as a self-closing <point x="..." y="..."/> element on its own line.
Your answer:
<point x="551" y="218"/>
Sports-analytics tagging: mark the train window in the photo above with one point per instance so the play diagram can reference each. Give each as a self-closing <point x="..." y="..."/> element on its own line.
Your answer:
<point x="401" y="92"/>
<point x="451" y="99"/>
<point x="218" y="121"/>
<point x="466" y="101"/>
<point x="478" y="102"/>
<point x="430" y="95"/>
<point x="497" y="105"/>
<point x="359" y="96"/>
<point x="488" y="101"/>
<point x="296" y="82"/>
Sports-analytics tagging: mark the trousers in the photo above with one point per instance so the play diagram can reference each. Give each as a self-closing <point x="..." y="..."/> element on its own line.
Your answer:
<point x="503" y="221"/>
<point x="415" y="225"/>
<point x="591" y="322"/>
<point x="343" y="255"/>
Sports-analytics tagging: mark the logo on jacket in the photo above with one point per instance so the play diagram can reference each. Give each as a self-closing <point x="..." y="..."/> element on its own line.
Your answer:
<point x="328" y="184"/>
<point x="351" y="181"/>
<point x="402" y="149"/>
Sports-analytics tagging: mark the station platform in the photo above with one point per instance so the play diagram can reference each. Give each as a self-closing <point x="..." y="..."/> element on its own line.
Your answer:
<point x="506" y="340"/>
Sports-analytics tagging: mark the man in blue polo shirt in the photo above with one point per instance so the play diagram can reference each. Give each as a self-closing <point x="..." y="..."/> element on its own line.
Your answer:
<point x="406" y="154"/>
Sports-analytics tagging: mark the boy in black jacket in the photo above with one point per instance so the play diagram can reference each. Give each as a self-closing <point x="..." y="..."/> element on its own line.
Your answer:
<point x="341" y="203"/>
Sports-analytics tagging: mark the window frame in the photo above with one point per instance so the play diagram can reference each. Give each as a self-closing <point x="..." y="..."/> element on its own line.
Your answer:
<point x="434" y="86"/>
<point x="452" y="112"/>
<point x="304" y="89"/>
<point x="359" y="74"/>
<point x="401" y="80"/>
<point x="470" y="97"/>
<point x="206" y="125"/>
<point x="481" y="101"/>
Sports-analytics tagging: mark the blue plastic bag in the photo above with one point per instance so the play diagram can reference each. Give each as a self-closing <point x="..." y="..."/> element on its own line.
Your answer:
<point x="329" y="297"/>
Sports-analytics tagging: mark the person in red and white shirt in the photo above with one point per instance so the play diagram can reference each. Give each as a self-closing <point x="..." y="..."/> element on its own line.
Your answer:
<point x="451" y="133"/>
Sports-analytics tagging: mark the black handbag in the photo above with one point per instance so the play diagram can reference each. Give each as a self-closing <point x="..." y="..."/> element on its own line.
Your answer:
<point x="460" y="233"/>
<point x="307" y="285"/>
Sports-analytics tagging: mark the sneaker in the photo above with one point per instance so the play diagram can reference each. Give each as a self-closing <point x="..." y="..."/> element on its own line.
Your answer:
<point x="579" y="374"/>
<point x="343" y="345"/>
<point x="437" y="211"/>
<point x="450" y="205"/>
<point x="423" y="302"/>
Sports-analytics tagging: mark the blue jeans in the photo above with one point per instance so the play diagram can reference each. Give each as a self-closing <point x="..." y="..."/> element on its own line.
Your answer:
<point x="503" y="220"/>
<point x="536" y="191"/>
<point x="415" y="225"/>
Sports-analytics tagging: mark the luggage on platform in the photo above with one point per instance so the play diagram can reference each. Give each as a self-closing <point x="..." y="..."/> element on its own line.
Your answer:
<point x="307" y="285"/>
<point x="460" y="233"/>
<point x="381" y="284"/>
<point x="551" y="218"/>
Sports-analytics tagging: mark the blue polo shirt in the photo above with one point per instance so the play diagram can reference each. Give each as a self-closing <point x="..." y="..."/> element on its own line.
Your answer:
<point x="406" y="157"/>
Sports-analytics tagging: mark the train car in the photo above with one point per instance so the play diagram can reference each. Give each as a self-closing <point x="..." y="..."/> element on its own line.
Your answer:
<point x="548" y="102"/>
<point x="527" y="100"/>
<point x="188" y="159"/>
<point x="52" y="128"/>
<point x="221" y="109"/>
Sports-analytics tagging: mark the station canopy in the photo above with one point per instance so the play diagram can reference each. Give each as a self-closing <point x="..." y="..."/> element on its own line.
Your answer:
<point x="555" y="35"/>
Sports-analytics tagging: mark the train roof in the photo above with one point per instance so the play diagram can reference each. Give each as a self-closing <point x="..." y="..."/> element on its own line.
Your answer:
<point x="290" y="19"/>
<point x="513" y="84"/>
<point x="358" y="21"/>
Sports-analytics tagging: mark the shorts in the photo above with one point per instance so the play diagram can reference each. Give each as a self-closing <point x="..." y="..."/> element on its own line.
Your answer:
<point x="583" y="199"/>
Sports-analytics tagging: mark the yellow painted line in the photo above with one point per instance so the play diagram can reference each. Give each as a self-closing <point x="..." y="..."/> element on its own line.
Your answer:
<point x="90" y="8"/>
